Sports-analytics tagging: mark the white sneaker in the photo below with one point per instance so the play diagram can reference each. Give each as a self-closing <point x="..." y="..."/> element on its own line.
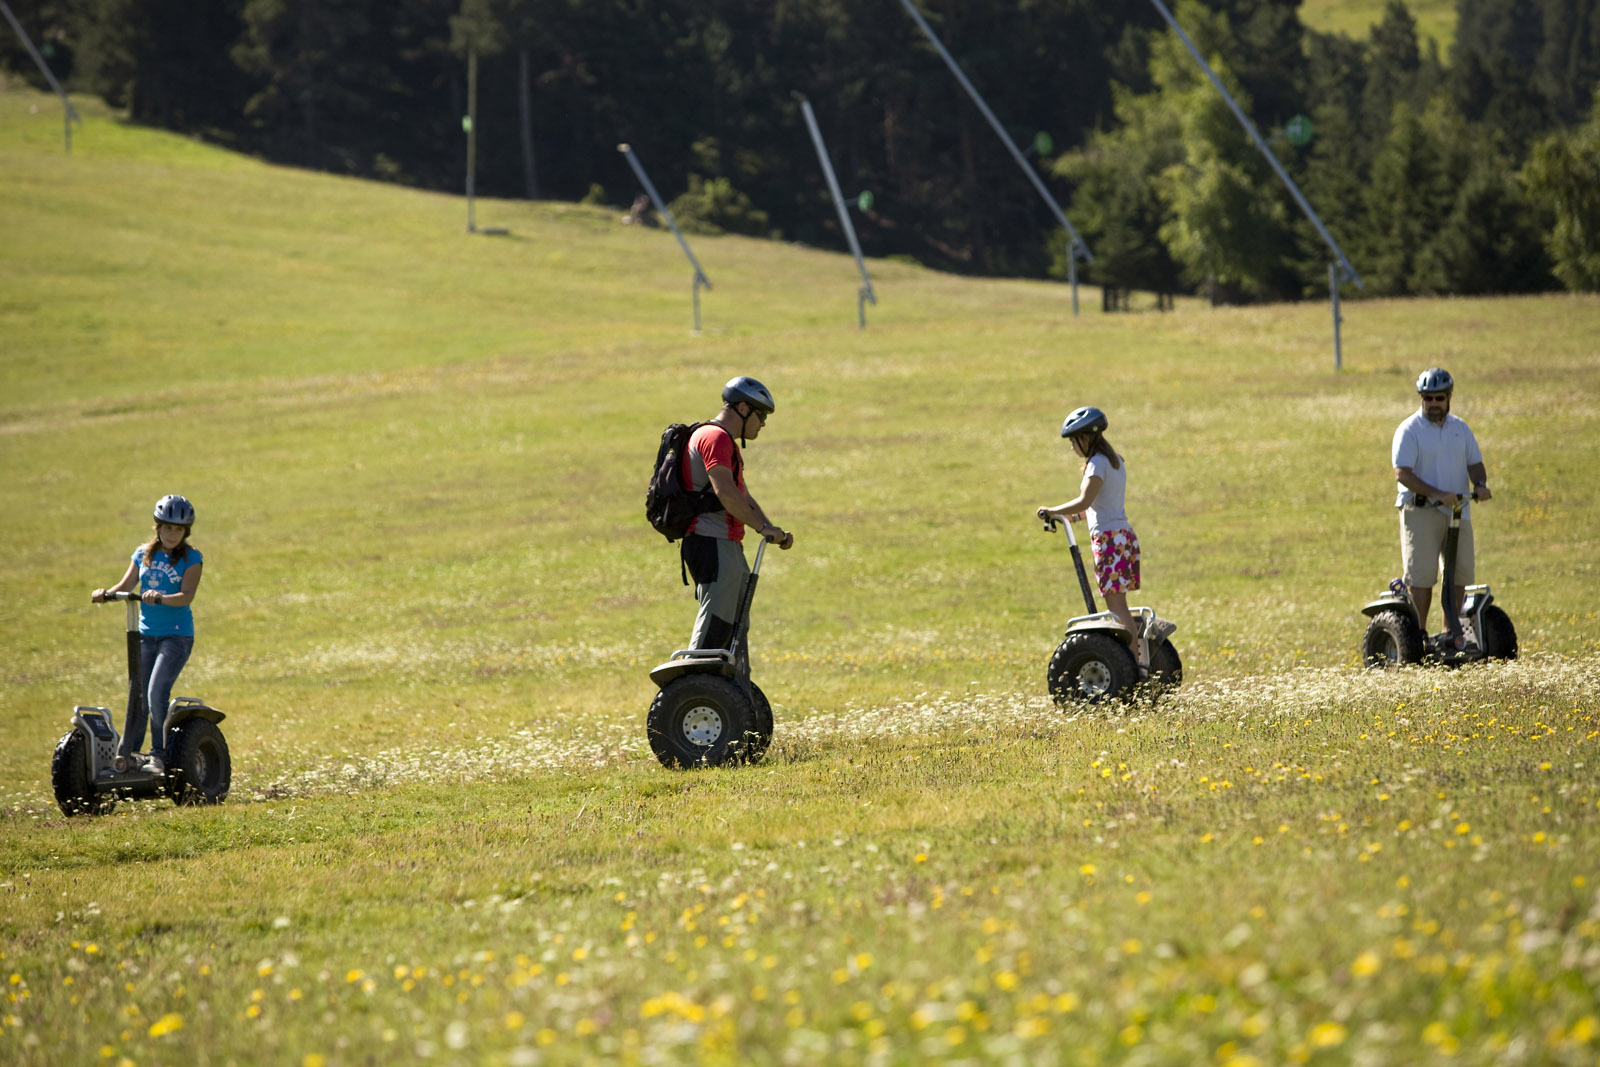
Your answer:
<point x="155" y="766"/>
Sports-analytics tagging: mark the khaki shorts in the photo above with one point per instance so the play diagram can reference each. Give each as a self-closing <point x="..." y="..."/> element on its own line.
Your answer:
<point x="1422" y="535"/>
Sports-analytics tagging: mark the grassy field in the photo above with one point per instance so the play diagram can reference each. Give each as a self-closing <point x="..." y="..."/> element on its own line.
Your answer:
<point x="431" y="600"/>
<point x="1355" y="18"/>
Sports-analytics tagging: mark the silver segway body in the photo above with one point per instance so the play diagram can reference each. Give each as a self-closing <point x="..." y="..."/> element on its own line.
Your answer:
<point x="706" y="714"/>
<point x="1096" y="661"/>
<point x="1395" y="636"/>
<point x="137" y="781"/>
<point x="83" y="771"/>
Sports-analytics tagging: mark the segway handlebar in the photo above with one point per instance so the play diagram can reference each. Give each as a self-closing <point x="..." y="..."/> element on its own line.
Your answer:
<point x="1462" y="500"/>
<point x="120" y="596"/>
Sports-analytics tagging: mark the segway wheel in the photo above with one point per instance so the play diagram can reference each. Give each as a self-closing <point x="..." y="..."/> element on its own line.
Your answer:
<point x="700" y="720"/>
<point x="199" y="770"/>
<point x="1393" y="639"/>
<point x="1166" y="668"/>
<point x="69" y="777"/>
<point x="1499" y="636"/>
<point x="760" y="728"/>
<point x="1091" y="668"/>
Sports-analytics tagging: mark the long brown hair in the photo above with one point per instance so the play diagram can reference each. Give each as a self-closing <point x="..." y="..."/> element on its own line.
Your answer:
<point x="1096" y="443"/>
<point x="154" y="546"/>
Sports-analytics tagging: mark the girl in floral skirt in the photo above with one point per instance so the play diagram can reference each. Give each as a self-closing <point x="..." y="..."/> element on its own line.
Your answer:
<point x="1111" y="537"/>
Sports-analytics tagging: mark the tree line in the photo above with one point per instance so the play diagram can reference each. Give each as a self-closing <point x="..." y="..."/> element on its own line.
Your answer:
<point x="1476" y="172"/>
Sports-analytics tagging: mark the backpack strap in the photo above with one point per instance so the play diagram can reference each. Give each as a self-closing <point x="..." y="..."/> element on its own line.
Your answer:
<point x="738" y="465"/>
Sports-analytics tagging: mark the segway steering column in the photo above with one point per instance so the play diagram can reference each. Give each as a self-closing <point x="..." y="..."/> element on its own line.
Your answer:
<point x="1452" y="539"/>
<point x="1077" y="562"/>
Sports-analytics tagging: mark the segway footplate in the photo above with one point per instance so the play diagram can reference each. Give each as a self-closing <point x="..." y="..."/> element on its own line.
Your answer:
<point x="718" y="661"/>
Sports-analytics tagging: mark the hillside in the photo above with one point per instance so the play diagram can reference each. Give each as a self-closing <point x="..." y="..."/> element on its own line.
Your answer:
<point x="431" y="601"/>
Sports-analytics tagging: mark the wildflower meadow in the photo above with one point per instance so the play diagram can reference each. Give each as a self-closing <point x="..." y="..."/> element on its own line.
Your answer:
<point x="431" y="603"/>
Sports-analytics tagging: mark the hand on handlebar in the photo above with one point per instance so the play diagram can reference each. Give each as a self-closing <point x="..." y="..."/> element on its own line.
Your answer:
<point x="1481" y="492"/>
<point x="780" y="537"/>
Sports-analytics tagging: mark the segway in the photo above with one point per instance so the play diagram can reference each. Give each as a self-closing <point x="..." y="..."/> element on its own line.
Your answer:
<point x="83" y="770"/>
<point x="708" y="711"/>
<point x="1096" y="663"/>
<point x="1394" y="637"/>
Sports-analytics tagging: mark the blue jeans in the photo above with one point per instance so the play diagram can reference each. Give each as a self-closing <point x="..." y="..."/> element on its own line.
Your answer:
<point x="160" y="660"/>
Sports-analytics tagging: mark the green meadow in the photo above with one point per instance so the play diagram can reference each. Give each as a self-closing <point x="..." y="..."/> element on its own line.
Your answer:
<point x="431" y="601"/>
<point x="1356" y="18"/>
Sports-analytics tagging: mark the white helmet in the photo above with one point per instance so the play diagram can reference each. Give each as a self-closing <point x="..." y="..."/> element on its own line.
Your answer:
<point x="174" y="510"/>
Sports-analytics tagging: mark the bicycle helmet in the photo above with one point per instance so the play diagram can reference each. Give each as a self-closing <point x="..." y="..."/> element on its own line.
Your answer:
<point x="1084" y="420"/>
<point x="748" y="391"/>
<point x="174" y="510"/>
<point x="1435" y="380"/>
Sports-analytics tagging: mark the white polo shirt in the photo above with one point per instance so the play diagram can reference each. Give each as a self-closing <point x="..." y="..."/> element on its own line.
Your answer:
<point x="1439" y="455"/>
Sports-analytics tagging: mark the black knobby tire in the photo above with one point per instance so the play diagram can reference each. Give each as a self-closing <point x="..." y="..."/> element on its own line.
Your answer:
<point x="1393" y="639"/>
<point x="1166" y="668"/>
<point x="760" y="727"/>
<point x="199" y="770"/>
<point x="1499" y="636"/>
<point x="699" y="720"/>
<point x="69" y="777"/>
<point x="1091" y="668"/>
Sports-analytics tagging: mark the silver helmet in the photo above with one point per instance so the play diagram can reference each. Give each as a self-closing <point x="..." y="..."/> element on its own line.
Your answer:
<point x="1435" y="380"/>
<point x="1084" y="420"/>
<point x="174" y="510"/>
<point x="749" y="391"/>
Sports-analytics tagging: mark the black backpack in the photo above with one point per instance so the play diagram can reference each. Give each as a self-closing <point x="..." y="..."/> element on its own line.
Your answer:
<point x="669" y="506"/>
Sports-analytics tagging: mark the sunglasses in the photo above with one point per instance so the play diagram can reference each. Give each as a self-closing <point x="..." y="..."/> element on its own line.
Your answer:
<point x="761" y="416"/>
<point x="1435" y="398"/>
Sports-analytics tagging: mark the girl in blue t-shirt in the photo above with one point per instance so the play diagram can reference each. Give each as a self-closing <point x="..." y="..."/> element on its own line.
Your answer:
<point x="167" y="573"/>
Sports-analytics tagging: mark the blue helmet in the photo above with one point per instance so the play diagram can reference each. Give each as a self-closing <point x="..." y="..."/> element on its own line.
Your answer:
<point x="1435" y="380"/>
<point x="748" y="391"/>
<point x="174" y="510"/>
<point x="1084" y="420"/>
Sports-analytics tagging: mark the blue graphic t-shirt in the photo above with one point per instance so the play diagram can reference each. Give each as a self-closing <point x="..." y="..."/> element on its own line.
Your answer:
<point x="165" y="576"/>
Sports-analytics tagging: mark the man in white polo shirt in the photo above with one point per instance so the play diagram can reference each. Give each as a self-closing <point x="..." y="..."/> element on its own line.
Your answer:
<point x="1436" y="462"/>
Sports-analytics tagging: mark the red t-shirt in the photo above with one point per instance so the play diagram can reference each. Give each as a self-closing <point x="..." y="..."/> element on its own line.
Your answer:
<point x="712" y="446"/>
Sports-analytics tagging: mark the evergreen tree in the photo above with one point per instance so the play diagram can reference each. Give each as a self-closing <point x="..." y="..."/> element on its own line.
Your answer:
<point x="1408" y="198"/>
<point x="1392" y="70"/>
<point x="166" y="61"/>
<point x="1226" y="224"/>
<point x="1563" y="175"/>
<point x="1488" y="239"/>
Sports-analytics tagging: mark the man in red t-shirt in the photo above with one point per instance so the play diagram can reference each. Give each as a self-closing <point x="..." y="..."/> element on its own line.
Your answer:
<point x="713" y="548"/>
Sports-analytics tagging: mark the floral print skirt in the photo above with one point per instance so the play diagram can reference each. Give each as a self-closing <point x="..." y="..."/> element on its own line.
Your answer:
<point x="1116" y="560"/>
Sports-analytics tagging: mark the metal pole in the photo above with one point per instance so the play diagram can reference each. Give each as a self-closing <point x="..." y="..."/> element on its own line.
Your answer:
<point x="1074" y="250"/>
<point x="472" y="133"/>
<point x="865" y="295"/>
<point x="1255" y="135"/>
<point x="655" y="198"/>
<point x="71" y="114"/>
<point x="1333" y="294"/>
